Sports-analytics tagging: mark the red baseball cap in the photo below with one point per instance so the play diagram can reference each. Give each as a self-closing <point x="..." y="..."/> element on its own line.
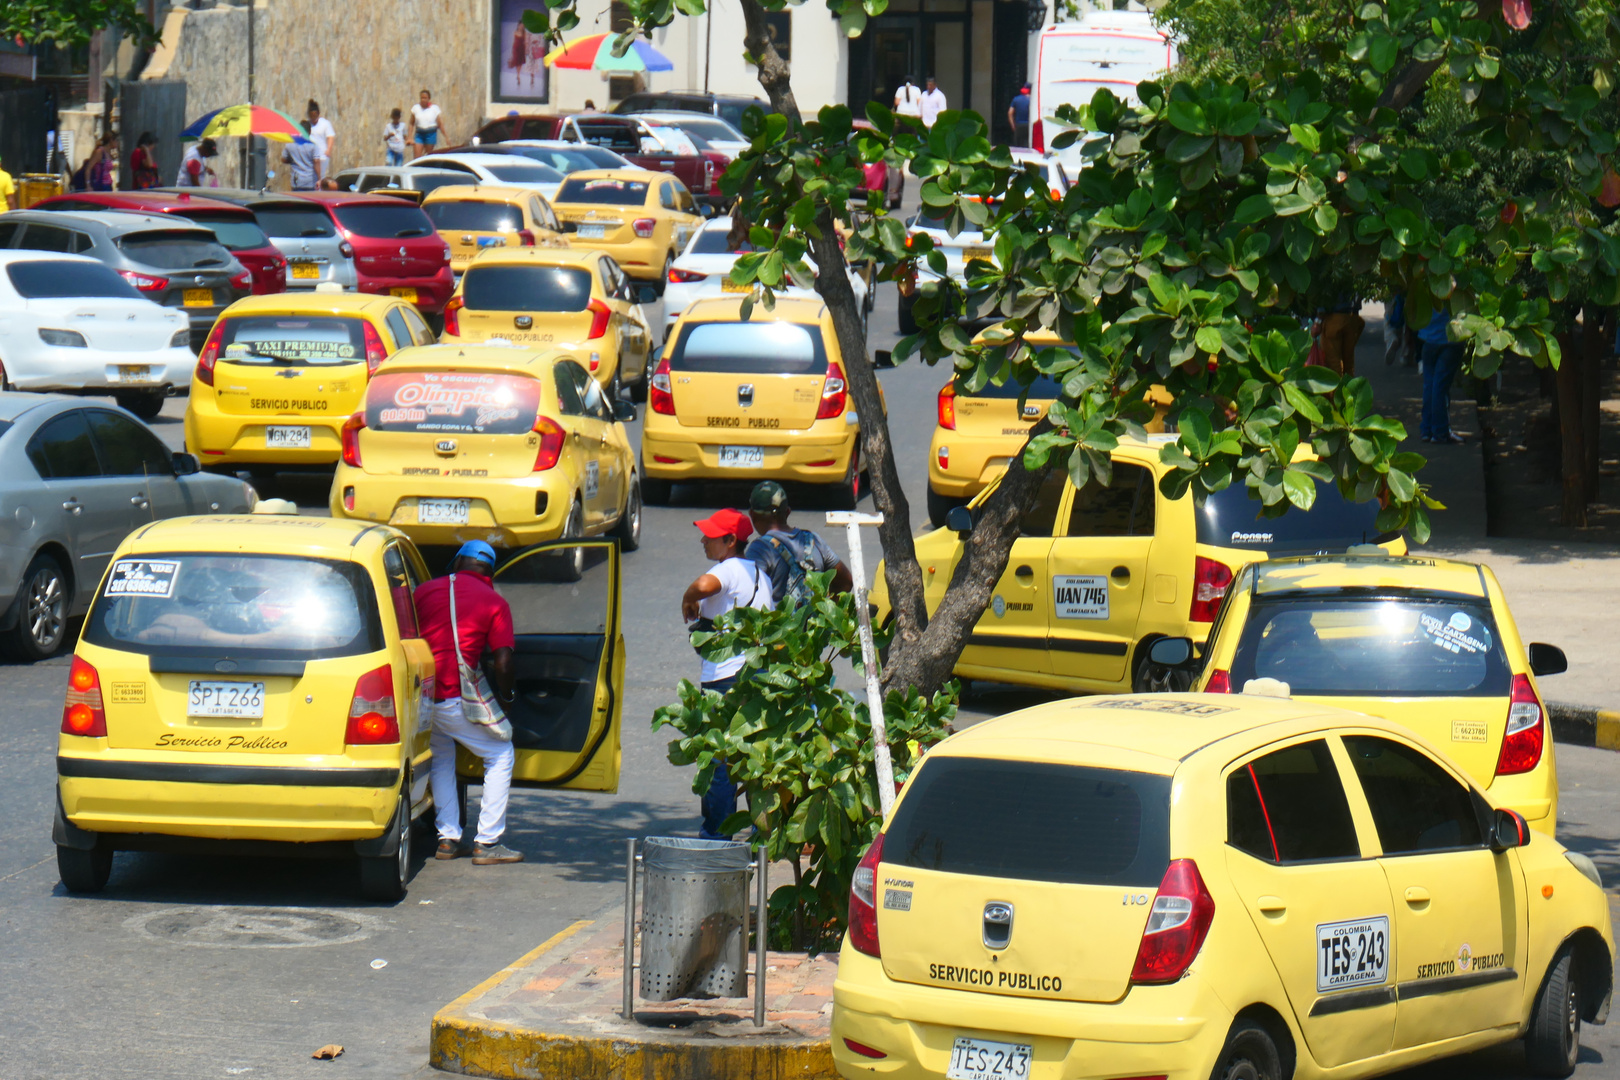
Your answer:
<point x="726" y="523"/>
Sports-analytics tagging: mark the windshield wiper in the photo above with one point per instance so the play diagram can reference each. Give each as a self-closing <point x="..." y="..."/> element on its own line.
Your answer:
<point x="317" y="231"/>
<point x="410" y="232"/>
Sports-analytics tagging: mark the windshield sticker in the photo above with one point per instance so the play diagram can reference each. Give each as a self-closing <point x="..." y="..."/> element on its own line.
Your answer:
<point x="1155" y="704"/>
<point x="593" y="479"/>
<point x="1458" y="634"/>
<point x="1469" y="731"/>
<point x="449" y="401"/>
<point x="1352" y="954"/>
<point x="143" y="577"/>
<point x="1080" y="597"/>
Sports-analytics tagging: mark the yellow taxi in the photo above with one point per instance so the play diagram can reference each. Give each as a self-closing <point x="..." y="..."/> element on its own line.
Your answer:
<point x="1097" y="575"/>
<point x="642" y="219"/>
<point x="279" y="374"/>
<point x="481" y="442"/>
<point x="1098" y="888"/>
<point x="473" y="218"/>
<point x="764" y="399"/>
<point x="571" y="299"/>
<point x="1425" y="642"/>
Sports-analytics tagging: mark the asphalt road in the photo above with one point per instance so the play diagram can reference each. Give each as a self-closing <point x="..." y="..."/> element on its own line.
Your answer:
<point x="192" y="967"/>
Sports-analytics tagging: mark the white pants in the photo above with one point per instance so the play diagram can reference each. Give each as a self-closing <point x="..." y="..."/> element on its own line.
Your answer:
<point x="450" y="728"/>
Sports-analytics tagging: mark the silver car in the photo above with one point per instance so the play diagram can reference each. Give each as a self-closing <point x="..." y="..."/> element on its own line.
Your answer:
<point x="78" y="477"/>
<point x="301" y="231"/>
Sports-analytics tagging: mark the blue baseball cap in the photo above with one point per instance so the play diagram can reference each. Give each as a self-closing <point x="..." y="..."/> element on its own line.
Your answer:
<point x="477" y="549"/>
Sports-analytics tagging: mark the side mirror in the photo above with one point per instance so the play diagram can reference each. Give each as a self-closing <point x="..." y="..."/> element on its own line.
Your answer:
<point x="960" y="521"/>
<point x="646" y="294"/>
<point x="1171" y="652"/>
<point x="1547" y="660"/>
<point x="1509" y="830"/>
<point x="624" y="411"/>
<point x="186" y="464"/>
<point x="883" y="358"/>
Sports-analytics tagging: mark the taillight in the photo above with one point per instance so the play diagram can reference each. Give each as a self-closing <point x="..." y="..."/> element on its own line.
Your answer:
<point x="1526" y="731"/>
<point x="1037" y="136"/>
<point x="1220" y="682"/>
<point x="833" y="392"/>
<point x="659" y="397"/>
<point x="552" y="437"/>
<point x="81" y="711"/>
<point x="144" y="282"/>
<point x="864" y="1050"/>
<point x="1176" y="925"/>
<point x="682" y="277"/>
<point x="452" y="324"/>
<point x="600" y="314"/>
<point x="210" y="354"/>
<point x="351" y="439"/>
<point x="863" y="928"/>
<point x="1211" y="579"/>
<point x="371" y="711"/>
<point x="644" y="226"/>
<point x="244" y="280"/>
<point x="947" y="406"/>
<point x="525" y="237"/>
<point x="375" y="352"/>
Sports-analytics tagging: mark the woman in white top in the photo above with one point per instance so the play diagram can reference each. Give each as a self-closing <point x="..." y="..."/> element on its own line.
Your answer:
<point x="426" y="119"/>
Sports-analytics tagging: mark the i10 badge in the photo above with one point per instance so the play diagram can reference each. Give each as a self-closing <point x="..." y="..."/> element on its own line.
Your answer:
<point x="1352" y="953"/>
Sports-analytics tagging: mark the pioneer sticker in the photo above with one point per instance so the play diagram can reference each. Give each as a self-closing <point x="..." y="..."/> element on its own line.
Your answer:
<point x="1352" y="954"/>
<point x="142" y="577"/>
<point x="1077" y="597"/>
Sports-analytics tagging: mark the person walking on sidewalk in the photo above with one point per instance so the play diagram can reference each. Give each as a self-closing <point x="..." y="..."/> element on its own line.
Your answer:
<point x="1018" y="116"/>
<point x="786" y="554"/>
<point x="302" y="158"/>
<point x="426" y="119"/>
<point x="1341" y="331"/>
<point x="325" y="136"/>
<point x="1440" y="360"/>
<point x="463" y="617"/>
<point x="933" y="103"/>
<point x="394" y="138"/>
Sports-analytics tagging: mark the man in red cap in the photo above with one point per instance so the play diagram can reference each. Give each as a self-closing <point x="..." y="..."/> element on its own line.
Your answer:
<point x="731" y="582"/>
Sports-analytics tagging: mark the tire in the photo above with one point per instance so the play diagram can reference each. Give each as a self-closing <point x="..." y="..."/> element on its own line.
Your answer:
<point x="42" y="616"/>
<point x="387" y="877"/>
<point x="574" y="529"/>
<point x="1149" y="678"/>
<point x="638" y="389"/>
<point x="628" y="528"/>
<point x="847" y="493"/>
<point x="940" y="505"/>
<point x="84" y="871"/>
<point x="146" y="404"/>
<point x="1249" y="1054"/>
<point x="663" y="275"/>
<point x="908" y="318"/>
<point x="1553" y="1041"/>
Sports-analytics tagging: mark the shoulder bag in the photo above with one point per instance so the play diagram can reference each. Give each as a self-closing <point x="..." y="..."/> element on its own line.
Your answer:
<point x="478" y="703"/>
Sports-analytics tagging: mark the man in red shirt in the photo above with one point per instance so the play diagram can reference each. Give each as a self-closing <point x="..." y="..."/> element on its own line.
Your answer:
<point x="485" y="625"/>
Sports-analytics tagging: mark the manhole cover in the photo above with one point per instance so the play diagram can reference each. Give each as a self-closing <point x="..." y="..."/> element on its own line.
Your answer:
<point x="254" y="927"/>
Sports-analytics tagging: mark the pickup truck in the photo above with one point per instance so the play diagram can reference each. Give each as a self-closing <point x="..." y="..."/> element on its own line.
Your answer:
<point x="621" y="134"/>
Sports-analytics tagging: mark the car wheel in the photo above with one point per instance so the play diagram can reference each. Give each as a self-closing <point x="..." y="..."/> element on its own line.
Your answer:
<point x="146" y="404"/>
<point x="628" y="529"/>
<point x="940" y="505"/>
<point x="42" y="614"/>
<point x="1249" y="1054"/>
<point x="847" y="493"/>
<point x="386" y="877"/>
<point x="84" y="871"/>
<point x="638" y="389"/>
<point x="574" y="529"/>
<point x="663" y="276"/>
<point x="1554" y="1039"/>
<point x="1151" y="678"/>
<point x="908" y="318"/>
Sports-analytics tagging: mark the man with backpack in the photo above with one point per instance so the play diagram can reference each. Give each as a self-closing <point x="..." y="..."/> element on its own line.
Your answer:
<point x="786" y="554"/>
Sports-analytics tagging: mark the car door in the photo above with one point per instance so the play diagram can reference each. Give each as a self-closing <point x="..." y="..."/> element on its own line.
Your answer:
<point x="569" y="663"/>
<point x="587" y="435"/>
<point x="1459" y="912"/>
<point x="97" y="511"/>
<point x="1316" y="895"/>
<point x="128" y="450"/>
<point x="1098" y="570"/>
<point x="404" y="571"/>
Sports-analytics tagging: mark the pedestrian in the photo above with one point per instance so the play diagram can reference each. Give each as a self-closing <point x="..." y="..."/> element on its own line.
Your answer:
<point x="143" y="168"/>
<point x="1018" y="116"/>
<point x="104" y="175"/>
<point x="8" y="187"/>
<point x="933" y="103"/>
<point x="194" y="165"/>
<point x="302" y="161"/>
<point x="590" y="106"/>
<point x="786" y="554"/>
<point x="394" y="138"/>
<point x="908" y="103"/>
<point x="325" y="136"/>
<point x="426" y="119"/>
<point x="1440" y="358"/>
<point x="1341" y="330"/>
<point x="327" y="184"/>
<point x="731" y="582"/>
<point x="1394" y="328"/>
<point x="463" y="617"/>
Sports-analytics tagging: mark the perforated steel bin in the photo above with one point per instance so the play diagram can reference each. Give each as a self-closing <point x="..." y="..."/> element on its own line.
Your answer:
<point x="694" y="918"/>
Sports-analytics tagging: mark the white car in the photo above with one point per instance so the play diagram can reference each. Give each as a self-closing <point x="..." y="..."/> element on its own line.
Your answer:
<point x="507" y="170"/>
<point x="70" y="323"/>
<point x="711" y="129"/>
<point x="701" y="271"/>
<point x="566" y="157"/>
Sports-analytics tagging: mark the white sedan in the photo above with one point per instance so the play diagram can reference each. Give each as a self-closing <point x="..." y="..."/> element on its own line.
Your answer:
<point x="503" y="170"/>
<point x="701" y="271"/>
<point x="71" y="323"/>
<point x="711" y="129"/>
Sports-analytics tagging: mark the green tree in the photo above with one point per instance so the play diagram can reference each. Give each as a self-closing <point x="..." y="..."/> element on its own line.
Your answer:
<point x="71" y="22"/>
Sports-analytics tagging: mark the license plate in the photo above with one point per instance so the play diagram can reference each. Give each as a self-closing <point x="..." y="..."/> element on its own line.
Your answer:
<point x="244" y="700"/>
<point x="726" y="286"/>
<point x="134" y="373"/>
<point x="977" y="253"/>
<point x="306" y="270"/>
<point x="977" y="1059"/>
<point x="408" y="295"/>
<point x="742" y="457"/>
<point x="442" y="511"/>
<point x="591" y="232"/>
<point x="286" y="438"/>
<point x="198" y="298"/>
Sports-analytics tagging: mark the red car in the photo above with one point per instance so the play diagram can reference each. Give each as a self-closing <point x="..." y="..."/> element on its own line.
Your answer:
<point x="397" y="250"/>
<point x="235" y="226"/>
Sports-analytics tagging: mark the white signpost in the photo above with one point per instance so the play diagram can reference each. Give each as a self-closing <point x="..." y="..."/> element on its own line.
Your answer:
<point x="852" y="521"/>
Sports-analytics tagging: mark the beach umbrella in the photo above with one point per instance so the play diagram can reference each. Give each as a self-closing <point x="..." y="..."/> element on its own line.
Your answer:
<point x="245" y="120"/>
<point x="595" y="53"/>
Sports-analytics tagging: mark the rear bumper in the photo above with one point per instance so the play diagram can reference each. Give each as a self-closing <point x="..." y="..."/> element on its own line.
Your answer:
<point x="508" y="512"/>
<point x="974" y="461"/>
<point x="52" y="368"/>
<point x="819" y="455"/>
<point x="432" y="293"/>
<point x="219" y="438"/>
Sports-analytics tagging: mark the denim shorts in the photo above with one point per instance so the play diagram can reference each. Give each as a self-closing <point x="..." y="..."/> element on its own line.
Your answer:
<point x="427" y="138"/>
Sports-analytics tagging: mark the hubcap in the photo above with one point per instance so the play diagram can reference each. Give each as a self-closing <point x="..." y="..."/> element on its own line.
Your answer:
<point x="45" y="606"/>
<point x="403" y="855"/>
<point x="1572" y="1019"/>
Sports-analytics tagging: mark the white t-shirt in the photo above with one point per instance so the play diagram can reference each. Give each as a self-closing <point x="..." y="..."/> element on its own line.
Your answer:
<point x="426" y="119"/>
<point x="394" y="136"/>
<point x="319" y="132"/>
<point x="742" y="584"/>
<point x="933" y="103"/>
<point x="908" y="101"/>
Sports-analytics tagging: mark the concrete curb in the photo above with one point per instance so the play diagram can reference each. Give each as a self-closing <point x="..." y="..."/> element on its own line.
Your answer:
<point x="1583" y="725"/>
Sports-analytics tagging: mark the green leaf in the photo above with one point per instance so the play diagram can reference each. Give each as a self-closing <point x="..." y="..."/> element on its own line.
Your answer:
<point x="1208" y="339"/>
<point x="1185" y="148"/>
<point x="1254" y="208"/>
<point x="1299" y="487"/>
<point x="1382" y="53"/>
<point x="1188" y="117"/>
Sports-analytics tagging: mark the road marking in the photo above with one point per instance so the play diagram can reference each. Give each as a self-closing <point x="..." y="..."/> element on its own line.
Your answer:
<point x="505" y="973"/>
<point x="226" y="927"/>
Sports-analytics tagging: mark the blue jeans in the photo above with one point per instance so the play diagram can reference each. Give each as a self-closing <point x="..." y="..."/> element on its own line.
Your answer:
<point x="395" y="157"/>
<point x="1440" y="364"/>
<point x="720" y="802"/>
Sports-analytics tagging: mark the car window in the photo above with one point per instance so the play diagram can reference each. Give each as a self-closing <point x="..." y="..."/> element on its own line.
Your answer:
<point x="395" y="221"/>
<point x="1289" y="806"/>
<point x="452" y="402"/>
<point x="400" y="330"/>
<point x="757" y="347"/>
<point x="8" y="232"/>
<point x="236" y="233"/>
<point x="525" y="172"/>
<point x="1230" y="518"/>
<point x="570" y="400"/>
<point x="174" y="249"/>
<point x="526" y="288"/>
<point x="419" y="328"/>
<point x="1041" y="518"/>
<point x="453" y="166"/>
<point x="474" y="215"/>
<point x="1416" y="804"/>
<point x="495" y="131"/>
<point x="595" y="401"/>
<point x="666" y="195"/>
<point x="399" y="589"/>
<point x="617" y="136"/>
<point x="293" y="222"/>
<point x="63" y="448"/>
<point x="48" y="238"/>
<point x="57" y="278"/>
<point x="683" y="198"/>
<point x="127" y="448"/>
<point x="1122" y="507"/>
<point x="292" y="341"/>
<point x="603" y="191"/>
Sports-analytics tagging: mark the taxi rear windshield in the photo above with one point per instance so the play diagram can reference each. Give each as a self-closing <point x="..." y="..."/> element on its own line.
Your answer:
<point x="750" y="348"/>
<point x="1374" y="646"/>
<point x="1034" y="821"/>
<point x="526" y="288"/>
<point x="452" y="402"/>
<point x="244" y="606"/>
<point x="398" y="220"/>
<point x="293" y="340"/>
<point x="1042" y="389"/>
<point x="1229" y="518"/>
<point x="289" y="222"/>
<point x="603" y="192"/>
<point x="474" y="216"/>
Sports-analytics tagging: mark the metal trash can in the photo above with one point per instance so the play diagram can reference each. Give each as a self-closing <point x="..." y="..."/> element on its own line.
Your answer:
<point x="694" y="918"/>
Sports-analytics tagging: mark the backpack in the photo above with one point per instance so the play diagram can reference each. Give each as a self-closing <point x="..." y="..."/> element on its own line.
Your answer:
<point x="799" y="566"/>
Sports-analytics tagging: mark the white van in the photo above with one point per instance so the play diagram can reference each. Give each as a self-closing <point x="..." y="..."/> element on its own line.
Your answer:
<point x="1112" y="49"/>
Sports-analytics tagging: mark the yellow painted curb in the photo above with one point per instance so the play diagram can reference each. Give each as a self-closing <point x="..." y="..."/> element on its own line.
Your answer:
<point x="1606" y="729"/>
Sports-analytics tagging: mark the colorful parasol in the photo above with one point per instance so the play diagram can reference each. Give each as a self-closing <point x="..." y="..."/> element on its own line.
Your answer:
<point x="245" y="120"/>
<point x="595" y="53"/>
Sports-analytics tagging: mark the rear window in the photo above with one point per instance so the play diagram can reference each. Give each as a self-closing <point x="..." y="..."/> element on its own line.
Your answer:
<point x="49" y="279"/>
<point x="285" y="222"/>
<point x="1042" y="389"/>
<point x="293" y="341"/>
<point x="395" y="221"/>
<point x="755" y="347"/>
<point x="1033" y="821"/>
<point x="710" y="129"/>
<point x="622" y="138"/>
<point x="1376" y="646"/>
<point x="250" y="606"/>
<point x="572" y="159"/>
<point x="236" y="233"/>
<point x="525" y="172"/>
<point x="1229" y="518"/>
<point x="603" y="192"/>
<point x="174" y="249"/>
<point x="526" y="288"/>
<point x="474" y="216"/>
<point x="474" y="403"/>
<point x="713" y="242"/>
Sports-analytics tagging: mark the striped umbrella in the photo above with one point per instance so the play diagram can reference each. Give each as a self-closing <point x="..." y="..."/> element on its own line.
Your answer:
<point x="245" y="120"/>
<point x="595" y="53"/>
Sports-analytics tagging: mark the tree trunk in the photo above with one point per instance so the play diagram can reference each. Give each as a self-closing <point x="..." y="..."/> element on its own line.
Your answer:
<point x="1597" y="343"/>
<point x="1567" y="381"/>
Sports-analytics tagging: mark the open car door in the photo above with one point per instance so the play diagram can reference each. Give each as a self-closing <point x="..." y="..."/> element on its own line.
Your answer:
<point x="569" y="664"/>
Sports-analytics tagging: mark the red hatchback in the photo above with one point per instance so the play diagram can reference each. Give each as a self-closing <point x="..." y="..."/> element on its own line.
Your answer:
<point x="234" y="225"/>
<point x="397" y="250"/>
